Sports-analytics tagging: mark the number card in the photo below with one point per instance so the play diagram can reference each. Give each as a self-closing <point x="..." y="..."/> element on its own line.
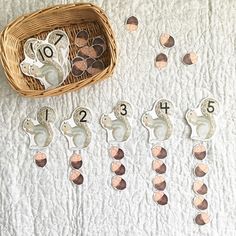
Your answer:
<point x="117" y="123"/>
<point x="77" y="130"/>
<point x="158" y="122"/>
<point x="202" y="119"/>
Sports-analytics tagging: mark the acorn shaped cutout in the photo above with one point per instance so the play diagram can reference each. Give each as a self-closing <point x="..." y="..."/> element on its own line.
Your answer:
<point x="167" y="40"/>
<point x="159" y="166"/>
<point x="76" y="177"/>
<point x="159" y="152"/>
<point x="118" y="168"/>
<point x="118" y="183"/>
<point x="96" y="67"/>
<point x="200" y="203"/>
<point x="159" y="183"/>
<point x="160" y="198"/>
<point x="199" y="187"/>
<point x="190" y="58"/>
<point x="116" y="153"/>
<point x="79" y="65"/>
<point x="81" y="38"/>
<point x="201" y="170"/>
<point x="76" y="161"/>
<point x="132" y="24"/>
<point x="202" y="218"/>
<point x="199" y="151"/>
<point x="161" y="61"/>
<point x="40" y="159"/>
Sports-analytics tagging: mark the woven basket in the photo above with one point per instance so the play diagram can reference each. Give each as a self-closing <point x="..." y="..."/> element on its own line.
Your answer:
<point x="71" y="18"/>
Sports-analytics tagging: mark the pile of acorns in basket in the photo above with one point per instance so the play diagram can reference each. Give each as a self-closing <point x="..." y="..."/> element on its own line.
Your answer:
<point x="48" y="60"/>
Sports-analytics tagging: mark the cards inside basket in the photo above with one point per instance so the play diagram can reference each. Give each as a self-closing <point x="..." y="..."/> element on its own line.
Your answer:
<point x="47" y="60"/>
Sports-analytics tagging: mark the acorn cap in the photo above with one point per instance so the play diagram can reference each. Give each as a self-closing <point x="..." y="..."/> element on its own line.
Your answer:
<point x="159" y="166"/>
<point x="160" y="198"/>
<point x="199" y="187"/>
<point x="202" y="218"/>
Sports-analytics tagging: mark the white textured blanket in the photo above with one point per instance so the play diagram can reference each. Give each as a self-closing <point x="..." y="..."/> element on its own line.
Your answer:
<point x="36" y="201"/>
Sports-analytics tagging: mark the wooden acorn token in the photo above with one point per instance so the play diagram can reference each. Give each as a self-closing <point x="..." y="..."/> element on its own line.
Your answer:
<point x="118" y="183"/>
<point x="159" y="152"/>
<point x="116" y="153"/>
<point x="118" y="168"/>
<point x="76" y="161"/>
<point x="159" y="166"/>
<point x="199" y="187"/>
<point x="159" y="183"/>
<point x="200" y="203"/>
<point x="199" y="151"/>
<point x="202" y="218"/>
<point x="167" y="40"/>
<point x="132" y="24"/>
<point x="76" y="177"/>
<point x="190" y="58"/>
<point x="81" y="39"/>
<point x="40" y="159"/>
<point x="96" y="67"/>
<point x="160" y="198"/>
<point x="201" y="170"/>
<point x="161" y="61"/>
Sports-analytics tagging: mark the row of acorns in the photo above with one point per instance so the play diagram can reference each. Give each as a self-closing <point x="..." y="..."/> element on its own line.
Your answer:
<point x="199" y="187"/>
<point x="167" y="41"/>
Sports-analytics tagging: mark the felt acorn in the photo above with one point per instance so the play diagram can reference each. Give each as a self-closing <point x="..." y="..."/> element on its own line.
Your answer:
<point x="76" y="177"/>
<point x="132" y="24"/>
<point x="201" y="170"/>
<point x="190" y="58"/>
<point x="199" y="187"/>
<point x="159" y="183"/>
<point x="118" y="183"/>
<point x="76" y="161"/>
<point x="167" y="40"/>
<point x="160" y="198"/>
<point x="161" y="61"/>
<point x="159" y="166"/>
<point x="40" y="159"/>
<point x="199" y="151"/>
<point x="116" y="153"/>
<point x="159" y="152"/>
<point x="202" y="218"/>
<point x="118" y="168"/>
<point x="81" y="38"/>
<point x="200" y="203"/>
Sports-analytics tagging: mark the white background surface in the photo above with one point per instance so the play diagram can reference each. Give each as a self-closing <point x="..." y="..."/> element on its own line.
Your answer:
<point x="36" y="201"/>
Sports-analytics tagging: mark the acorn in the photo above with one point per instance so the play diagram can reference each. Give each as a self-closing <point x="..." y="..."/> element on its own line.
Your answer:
<point x="76" y="161"/>
<point x="167" y="40"/>
<point x="159" y="166"/>
<point x="40" y="159"/>
<point x="159" y="183"/>
<point x="118" y="183"/>
<point x="76" y="177"/>
<point x="190" y="58"/>
<point x="161" y="61"/>
<point x="79" y="65"/>
<point x="118" y="168"/>
<point x="160" y="198"/>
<point x="201" y="170"/>
<point x="116" y="153"/>
<point x="199" y="151"/>
<point x="96" y="67"/>
<point x="132" y="24"/>
<point x="202" y="218"/>
<point x="159" y="152"/>
<point x="200" y="203"/>
<point x="199" y="187"/>
<point x="81" y="38"/>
